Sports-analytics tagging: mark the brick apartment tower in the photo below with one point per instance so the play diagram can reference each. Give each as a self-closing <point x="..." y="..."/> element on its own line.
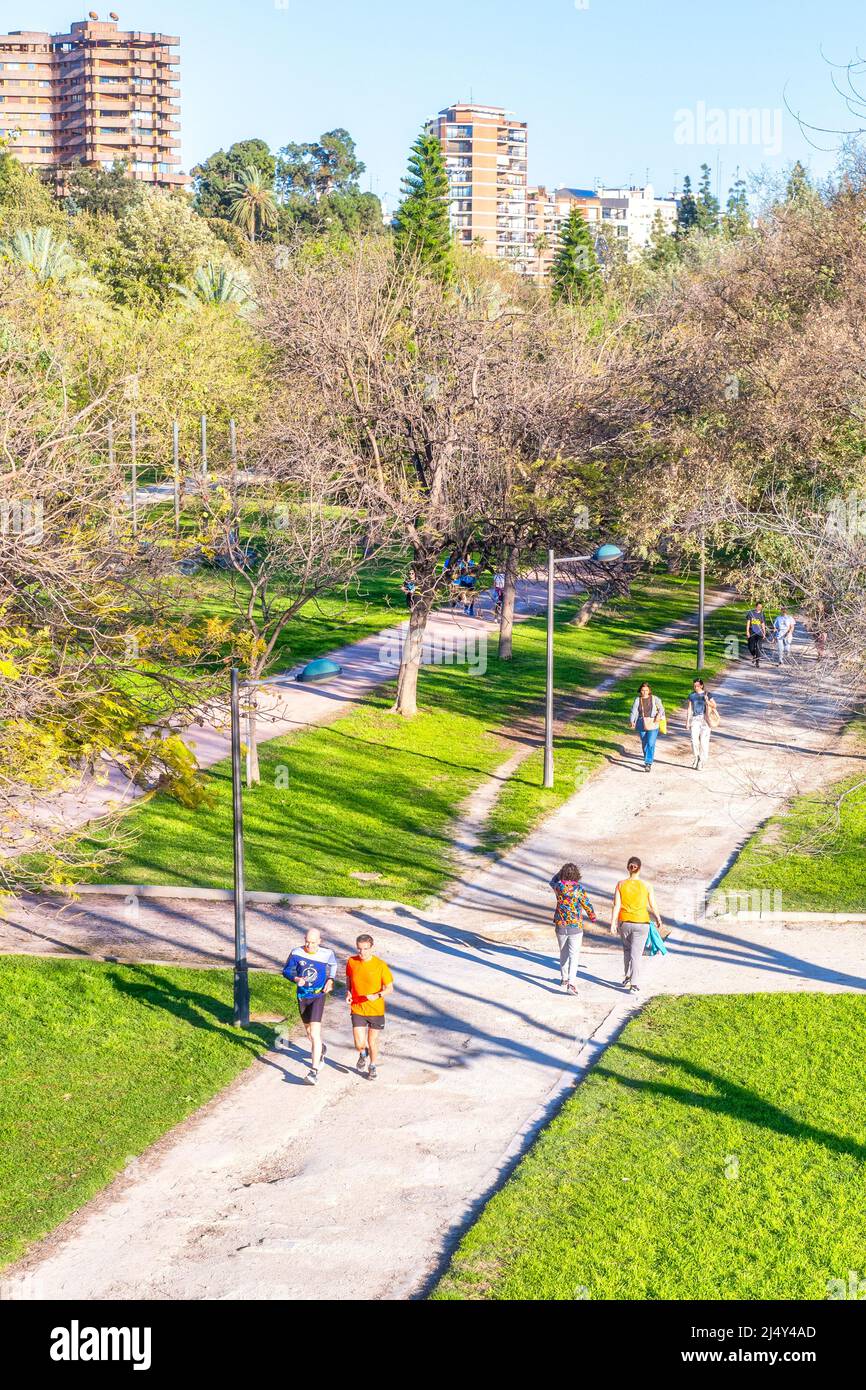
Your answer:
<point x="93" y="96"/>
<point x="485" y="154"/>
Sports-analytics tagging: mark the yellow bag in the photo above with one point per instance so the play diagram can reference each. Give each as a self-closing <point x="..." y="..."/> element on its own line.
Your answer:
<point x="663" y="724"/>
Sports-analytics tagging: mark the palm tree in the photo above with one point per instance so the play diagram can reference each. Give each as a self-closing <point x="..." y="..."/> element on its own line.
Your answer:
<point x="254" y="205"/>
<point x="216" y="284"/>
<point x="541" y="245"/>
<point x="48" y="259"/>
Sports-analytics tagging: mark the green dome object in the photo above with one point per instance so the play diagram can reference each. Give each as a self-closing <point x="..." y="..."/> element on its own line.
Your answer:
<point x="319" y="670"/>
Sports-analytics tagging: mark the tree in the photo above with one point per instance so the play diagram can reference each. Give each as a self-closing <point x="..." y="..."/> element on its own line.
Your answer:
<point x="214" y="180"/>
<point x="24" y="200"/>
<point x="350" y="214"/>
<point x="540" y="245"/>
<point x="662" y="249"/>
<point x="736" y="221"/>
<point x="110" y="191"/>
<point x="575" y="274"/>
<point x="687" y="211"/>
<point x="422" y="225"/>
<point x="707" y="205"/>
<point x="411" y="393"/>
<point x="285" y="542"/>
<point x="158" y="244"/>
<point x="254" y="207"/>
<point x="799" y="190"/>
<point x="93" y="666"/>
<point x="320" y="168"/>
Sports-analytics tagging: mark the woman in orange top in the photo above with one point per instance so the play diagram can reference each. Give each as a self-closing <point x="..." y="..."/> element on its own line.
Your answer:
<point x="634" y="906"/>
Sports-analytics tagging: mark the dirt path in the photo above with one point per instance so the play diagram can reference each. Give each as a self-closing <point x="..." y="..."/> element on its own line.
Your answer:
<point x="354" y="1189"/>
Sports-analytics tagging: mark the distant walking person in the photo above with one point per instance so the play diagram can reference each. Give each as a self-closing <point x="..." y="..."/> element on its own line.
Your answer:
<point x="409" y="587"/>
<point x="633" y="908"/>
<point x="572" y="906"/>
<point x="784" y="629"/>
<point x="368" y="980"/>
<point x="312" y="968"/>
<point x="700" y="713"/>
<point x="648" y="717"/>
<point x="756" y="632"/>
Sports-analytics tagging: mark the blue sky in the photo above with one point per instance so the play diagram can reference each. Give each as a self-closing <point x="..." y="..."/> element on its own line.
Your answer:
<point x="612" y="89"/>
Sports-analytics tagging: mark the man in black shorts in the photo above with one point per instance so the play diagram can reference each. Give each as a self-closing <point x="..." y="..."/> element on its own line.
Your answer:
<point x="368" y="980"/>
<point x="312" y="968"/>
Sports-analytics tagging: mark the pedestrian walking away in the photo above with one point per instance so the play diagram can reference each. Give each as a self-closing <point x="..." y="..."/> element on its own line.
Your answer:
<point x="312" y="968"/>
<point x="409" y="587"/>
<point x="498" y="593"/>
<point x="756" y="632"/>
<point x="572" y="906"/>
<point x="702" y="716"/>
<point x="634" y="907"/>
<point x="784" y="629"/>
<point x="649" y="718"/>
<point x="368" y="980"/>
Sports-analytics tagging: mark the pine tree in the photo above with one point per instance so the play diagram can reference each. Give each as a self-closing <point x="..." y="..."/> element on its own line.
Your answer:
<point x="662" y="249"/>
<point x="735" y="222"/>
<point x="798" y="190"/>
<point x="707" y="204"/>
<point x="422" y="224"/>
<point x="687" y="211"/>
<point x="575" y="274"/>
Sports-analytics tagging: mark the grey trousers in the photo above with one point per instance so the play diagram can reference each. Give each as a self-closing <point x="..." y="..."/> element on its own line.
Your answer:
<point x="569" y="953"/>
<point x="634" y="937"/>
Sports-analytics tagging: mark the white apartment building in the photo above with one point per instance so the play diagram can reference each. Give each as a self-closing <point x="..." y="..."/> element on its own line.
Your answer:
<point x="628" y="214"/>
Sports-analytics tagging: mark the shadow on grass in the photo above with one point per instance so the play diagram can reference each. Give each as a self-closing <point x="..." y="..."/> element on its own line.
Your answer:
<point x="731" y="1099"/>
<point x="154" y="991"/>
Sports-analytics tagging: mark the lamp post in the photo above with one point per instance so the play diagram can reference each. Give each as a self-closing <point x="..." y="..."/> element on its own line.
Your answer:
<point x="548" y="702"/>
<point x="241" y="976"/>
<point x="701" y="599"/>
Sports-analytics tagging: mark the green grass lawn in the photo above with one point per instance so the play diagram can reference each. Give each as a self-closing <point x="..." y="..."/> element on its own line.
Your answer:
<point x="373" y="793"/>
<point x="372" y="602"/>
<point x="816" y="864"/>
<point x="98" y="1061"/>
<point x="716" y="1151"/>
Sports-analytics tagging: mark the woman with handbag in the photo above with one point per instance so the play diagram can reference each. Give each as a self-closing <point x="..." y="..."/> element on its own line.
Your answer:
<point x="702" y="717"/>
<point x="649" y="718"/>
<point x="572" y="905"/>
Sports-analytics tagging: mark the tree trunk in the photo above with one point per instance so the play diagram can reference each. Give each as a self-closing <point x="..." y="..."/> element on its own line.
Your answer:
<point x="506" y="620"/>
<point x="406" y="702"/>
<point x="588" y="607"/>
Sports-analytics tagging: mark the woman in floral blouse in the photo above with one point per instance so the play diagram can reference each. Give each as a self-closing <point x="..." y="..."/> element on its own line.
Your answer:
<point x="572" y="906"/>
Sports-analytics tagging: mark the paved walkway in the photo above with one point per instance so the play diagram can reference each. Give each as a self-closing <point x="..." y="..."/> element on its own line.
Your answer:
<point x="285" y="705"/>
<point x="356" y="1189"/>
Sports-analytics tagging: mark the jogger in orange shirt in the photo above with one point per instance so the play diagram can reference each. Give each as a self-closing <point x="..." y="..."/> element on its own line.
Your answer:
<point x="368" y="980"/>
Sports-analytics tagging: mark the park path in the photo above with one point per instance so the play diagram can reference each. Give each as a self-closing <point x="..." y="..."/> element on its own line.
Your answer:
<point x="286" y="705"/>
<point x="357" y="1189"/>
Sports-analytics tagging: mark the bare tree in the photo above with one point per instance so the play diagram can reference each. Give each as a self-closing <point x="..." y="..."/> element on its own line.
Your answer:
<point x="404" y="392"/>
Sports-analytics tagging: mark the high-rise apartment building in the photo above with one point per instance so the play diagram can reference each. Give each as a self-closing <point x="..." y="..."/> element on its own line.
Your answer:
<point x="93" y="96"/>
<point x="485" y="152"/>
